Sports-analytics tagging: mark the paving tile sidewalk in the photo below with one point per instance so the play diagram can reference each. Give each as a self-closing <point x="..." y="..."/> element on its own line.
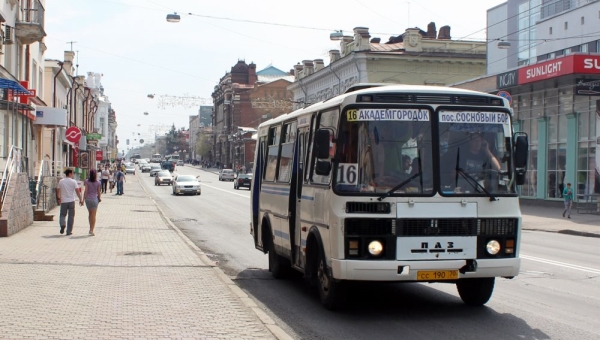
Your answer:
<point x="137" y="278"/>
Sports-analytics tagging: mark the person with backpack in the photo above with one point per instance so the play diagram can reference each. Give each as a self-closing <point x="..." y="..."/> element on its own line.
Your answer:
<point x="119" y="178"/>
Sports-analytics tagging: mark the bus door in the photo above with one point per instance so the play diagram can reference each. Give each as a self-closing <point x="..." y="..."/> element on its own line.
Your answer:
<point x="286" y="186"/>
<point x="257" y="177"/>
<point x="296" y="197"/>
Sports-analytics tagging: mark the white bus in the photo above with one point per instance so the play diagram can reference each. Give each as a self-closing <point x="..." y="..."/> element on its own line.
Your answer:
<point x="391" y="183"/>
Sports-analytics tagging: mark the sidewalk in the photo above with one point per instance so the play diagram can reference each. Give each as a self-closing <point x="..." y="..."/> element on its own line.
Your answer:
<point x="544" y="218"/>
<point x="139" y="277"/>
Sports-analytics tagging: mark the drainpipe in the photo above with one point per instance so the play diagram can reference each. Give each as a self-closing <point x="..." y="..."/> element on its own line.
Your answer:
<point x="60" y="63"/>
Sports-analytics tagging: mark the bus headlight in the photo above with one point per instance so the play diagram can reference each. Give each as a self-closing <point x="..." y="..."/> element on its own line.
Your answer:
<point x="375" y="248"/>
<point x="493" y="247"/>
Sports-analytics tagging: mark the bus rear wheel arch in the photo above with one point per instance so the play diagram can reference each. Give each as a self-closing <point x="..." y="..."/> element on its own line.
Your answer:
<point x="279" y="266"/>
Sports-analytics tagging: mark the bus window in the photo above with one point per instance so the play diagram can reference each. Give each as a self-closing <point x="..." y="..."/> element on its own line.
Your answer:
<point x="273" y="154"/>
<point x="287" y="152"/>
<point x="328" y="120"/>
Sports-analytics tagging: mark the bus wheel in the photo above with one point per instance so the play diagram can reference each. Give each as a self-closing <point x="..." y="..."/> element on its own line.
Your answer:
<point x="475" y="292"/>
<point x="331" y="292"/>
<point x="278" y="265"/>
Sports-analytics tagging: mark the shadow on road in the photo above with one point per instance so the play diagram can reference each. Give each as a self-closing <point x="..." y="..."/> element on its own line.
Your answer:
<point x="382" y="311"/>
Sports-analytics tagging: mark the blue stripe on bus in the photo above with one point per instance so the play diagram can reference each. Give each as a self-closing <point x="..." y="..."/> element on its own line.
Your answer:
<point x="281" y="234"/>
<point x="283" y="192"/>
<point x="308" y="198"/>
<point x="303" y="243"/>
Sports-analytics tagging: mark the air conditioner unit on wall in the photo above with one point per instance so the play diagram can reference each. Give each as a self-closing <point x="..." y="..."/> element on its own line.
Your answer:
<point x="8" y="35"/>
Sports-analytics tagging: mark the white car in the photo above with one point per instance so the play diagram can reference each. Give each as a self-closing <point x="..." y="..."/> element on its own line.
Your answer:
<point x="180" y="163"/>
<point x="226" y="175"/>
<point x="186" y="184"/>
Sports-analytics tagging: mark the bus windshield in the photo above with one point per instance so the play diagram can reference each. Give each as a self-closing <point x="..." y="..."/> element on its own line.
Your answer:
<point x="382" y="153"/>
<point x="377" y="155"/>
<point x="474" y="153"/>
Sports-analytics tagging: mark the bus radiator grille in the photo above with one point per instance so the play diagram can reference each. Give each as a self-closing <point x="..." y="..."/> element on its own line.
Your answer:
<point x="369" y="227"/>
<point x="437" y="227"/>
<point x="368" y="208"/>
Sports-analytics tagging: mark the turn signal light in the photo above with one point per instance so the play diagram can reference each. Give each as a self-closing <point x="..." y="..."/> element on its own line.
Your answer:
<point x="509" y="247"/>
<point x="353" y="247"/>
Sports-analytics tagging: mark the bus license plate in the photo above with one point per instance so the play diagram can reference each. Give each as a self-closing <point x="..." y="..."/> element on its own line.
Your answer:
<point x="435" y="275"/>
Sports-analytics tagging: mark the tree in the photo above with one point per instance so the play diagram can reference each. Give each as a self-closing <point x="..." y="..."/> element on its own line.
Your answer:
<point x="203" y="145"/>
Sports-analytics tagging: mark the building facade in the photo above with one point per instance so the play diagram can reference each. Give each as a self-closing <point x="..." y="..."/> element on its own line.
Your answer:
<point x="554" y="89"/>
<point x="244" y="98"/>
<point x="416" y="57"/>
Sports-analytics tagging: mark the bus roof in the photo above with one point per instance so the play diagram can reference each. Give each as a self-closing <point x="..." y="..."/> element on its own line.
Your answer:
<point x="378" y="88"/>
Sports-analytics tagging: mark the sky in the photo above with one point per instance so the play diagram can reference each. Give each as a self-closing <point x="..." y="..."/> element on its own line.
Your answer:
<point x="139" y="53"/>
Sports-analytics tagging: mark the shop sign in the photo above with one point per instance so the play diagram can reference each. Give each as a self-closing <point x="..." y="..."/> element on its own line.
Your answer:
<point x="572" y="64"/>
<point x="587" y="87"/>
<point x="546" y="70"/>
<point x="507" y="79"/>
<point x="94" y="136"/>
<point x="85" y="160"/>
<point x="99" y="155"/>
<point x="73" y="134"/>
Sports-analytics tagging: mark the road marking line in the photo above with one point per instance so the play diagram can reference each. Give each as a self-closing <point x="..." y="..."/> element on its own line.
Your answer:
<point x="229" y="192"/>
<point x="561" y="264"/>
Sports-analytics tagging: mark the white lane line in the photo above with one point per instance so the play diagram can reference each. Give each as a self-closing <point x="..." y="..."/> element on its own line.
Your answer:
<point x="227" y="191"/>
<point x="561" y="264"/>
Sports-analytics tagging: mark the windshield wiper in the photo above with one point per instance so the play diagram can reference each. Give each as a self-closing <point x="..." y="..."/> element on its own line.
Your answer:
<point x="403" y="183"/>
<point x="469" y="179"/>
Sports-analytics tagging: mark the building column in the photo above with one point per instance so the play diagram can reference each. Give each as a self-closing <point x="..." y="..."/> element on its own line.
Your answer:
<point x="571" y="166"/>
<point x="542" y="160"/>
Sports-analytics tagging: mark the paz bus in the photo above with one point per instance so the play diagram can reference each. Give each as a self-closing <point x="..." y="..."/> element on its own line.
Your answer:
<point x="391" y="183"/>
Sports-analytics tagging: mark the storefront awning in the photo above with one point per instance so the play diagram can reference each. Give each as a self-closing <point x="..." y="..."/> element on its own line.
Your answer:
<point x="8" y="84"/>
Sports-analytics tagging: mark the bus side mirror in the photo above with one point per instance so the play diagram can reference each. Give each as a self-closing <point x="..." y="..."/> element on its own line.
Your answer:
<point x="321" y="146"/>
<point x="521" y="153"/>
<point x="323" y="168"/>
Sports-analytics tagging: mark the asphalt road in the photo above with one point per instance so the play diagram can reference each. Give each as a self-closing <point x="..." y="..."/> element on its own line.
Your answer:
<point x="556" y="296"/>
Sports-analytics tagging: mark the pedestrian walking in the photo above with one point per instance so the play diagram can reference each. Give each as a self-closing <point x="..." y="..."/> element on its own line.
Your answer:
<point x="568" y="197"/>
<point x="120" y="178"/>
<point x="65" y="195"/>
<point x="104" y="177"/>
<point x="92" y="196"/>
<point x="111" y="180"/>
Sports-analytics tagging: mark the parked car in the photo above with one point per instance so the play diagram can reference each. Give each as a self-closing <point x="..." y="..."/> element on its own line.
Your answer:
<point x="242" y="180"/>
<point x="130" y="169"/>
<point x="154" y="169"/>
<point x="163" y="177"/>
<point x="146" y="167"/>
<point x="180" y="163"/>
<point x="186" y="184"/>
<point x="226" y="174"/>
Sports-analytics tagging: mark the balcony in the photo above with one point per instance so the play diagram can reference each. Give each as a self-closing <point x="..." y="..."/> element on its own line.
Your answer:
<point x="30" y="28"/>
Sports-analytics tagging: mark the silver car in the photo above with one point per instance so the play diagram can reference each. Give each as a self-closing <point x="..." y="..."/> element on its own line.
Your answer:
<point x="226" y="175"/>
<point x="186" y="184"/>
<point x="154" y="169"/>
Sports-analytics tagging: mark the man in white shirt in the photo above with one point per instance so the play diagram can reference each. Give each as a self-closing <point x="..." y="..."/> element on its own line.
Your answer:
<point x="104" y="177"/>
<point x="65" y="195"/>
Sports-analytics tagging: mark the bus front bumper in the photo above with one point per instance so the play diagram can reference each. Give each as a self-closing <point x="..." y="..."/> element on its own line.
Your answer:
<point x="407" y="270"/>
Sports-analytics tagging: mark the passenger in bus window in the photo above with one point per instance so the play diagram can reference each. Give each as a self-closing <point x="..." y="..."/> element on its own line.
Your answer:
<point x="479" y="156"/>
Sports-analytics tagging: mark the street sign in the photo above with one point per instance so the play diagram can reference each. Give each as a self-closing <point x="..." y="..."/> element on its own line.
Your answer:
<point x="73" y="134"/>
<point x="94" y="136"/>
<point x="506" y="95"/>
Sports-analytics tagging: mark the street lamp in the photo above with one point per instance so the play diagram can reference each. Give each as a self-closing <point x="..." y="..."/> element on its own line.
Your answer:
<point x="173" y="17"/>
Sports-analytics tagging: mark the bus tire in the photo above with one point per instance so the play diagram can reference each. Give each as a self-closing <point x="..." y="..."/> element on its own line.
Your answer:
<point x="332" y="292"/>
<point x="278" y="265"/>
<point x="477" y="291"/>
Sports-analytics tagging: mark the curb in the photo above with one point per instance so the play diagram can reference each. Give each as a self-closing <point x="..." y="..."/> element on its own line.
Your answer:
<point x="277" y="331"/>
<point x="566" y="232"/>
